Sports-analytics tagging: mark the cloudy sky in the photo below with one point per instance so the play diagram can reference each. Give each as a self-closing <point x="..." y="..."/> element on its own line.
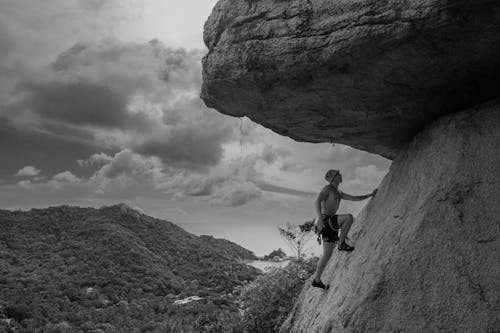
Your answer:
<point x="99" y="104"/>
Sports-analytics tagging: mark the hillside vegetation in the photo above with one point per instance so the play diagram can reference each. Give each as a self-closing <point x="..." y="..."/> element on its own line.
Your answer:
<point x="113" y="269"/>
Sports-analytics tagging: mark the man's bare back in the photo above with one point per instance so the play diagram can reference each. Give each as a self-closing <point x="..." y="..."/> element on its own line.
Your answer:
<point x="330" y="202"/>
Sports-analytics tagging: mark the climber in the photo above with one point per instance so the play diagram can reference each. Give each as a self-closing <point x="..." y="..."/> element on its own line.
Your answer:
<point x="328" y="223"/>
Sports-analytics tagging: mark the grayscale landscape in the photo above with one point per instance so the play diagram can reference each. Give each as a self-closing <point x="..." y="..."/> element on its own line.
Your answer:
<point x="249" y="166"/>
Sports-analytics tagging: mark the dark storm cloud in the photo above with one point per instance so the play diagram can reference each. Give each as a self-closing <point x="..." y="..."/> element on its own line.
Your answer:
<point x="6" y="41"/>
<point x="189" y="138"/>
<point x="101" y="115"/>
<point x="76" y="103"/>
<point x="92" y="85"/>
<point x="80" y="105"/>
<point x="21" y="146"/>
<point x="142" y="97"/>
<point x="185" y="147"/>
<point x="9" y="63"/>
<point x="67" y="59"/>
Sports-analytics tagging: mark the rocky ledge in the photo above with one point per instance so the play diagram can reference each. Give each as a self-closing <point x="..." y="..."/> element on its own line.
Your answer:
<point x="366" y="73"/>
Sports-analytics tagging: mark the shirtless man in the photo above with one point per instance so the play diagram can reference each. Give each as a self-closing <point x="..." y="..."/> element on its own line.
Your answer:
<point x="329" y="223"/>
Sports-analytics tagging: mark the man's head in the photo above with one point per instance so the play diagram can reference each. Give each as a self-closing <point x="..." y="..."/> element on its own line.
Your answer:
<point x="333" y="177"/>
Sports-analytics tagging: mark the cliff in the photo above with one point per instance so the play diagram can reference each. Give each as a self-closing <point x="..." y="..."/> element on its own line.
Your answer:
<point x="415" y="81"/>
<point x="366" y="73"/>
<point x="427" y="255"/>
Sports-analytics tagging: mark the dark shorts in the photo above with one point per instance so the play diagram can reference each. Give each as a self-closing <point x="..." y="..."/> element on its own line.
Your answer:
<point x="331" y="228"/>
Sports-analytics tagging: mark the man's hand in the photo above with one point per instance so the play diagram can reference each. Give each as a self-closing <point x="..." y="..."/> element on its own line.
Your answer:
<point x="374" y="192"/>
<point x="320" y="222"/>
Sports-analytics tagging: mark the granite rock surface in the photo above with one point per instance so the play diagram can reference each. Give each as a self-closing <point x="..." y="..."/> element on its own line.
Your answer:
<point x="366" y="73"/>
<point x="427" y="246"/>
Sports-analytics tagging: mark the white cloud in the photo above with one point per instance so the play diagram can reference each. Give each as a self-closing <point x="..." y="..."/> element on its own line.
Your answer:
<point x="26" y="184"/>
<point x="127" y="168"/>
<point x="221" y="186"/>
<point x="63" y="178"/>
<point x="369" y="174"/>
<point x="67" y="177"/>
<point x="272" y="153"/>
<point x="231" y="193"/>
<point x="366" y="178"/>
<point x="95" y="159"/>
<point x="28" y="171"/>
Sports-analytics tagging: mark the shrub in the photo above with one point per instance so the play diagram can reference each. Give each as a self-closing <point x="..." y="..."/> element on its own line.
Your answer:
<point x="18" y="312"/>
<point x="62" y="327"/>
<point x="267" y="301"/>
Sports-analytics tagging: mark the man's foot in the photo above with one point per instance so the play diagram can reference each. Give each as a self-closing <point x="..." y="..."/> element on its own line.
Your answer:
<point x="345" y="247"/>
<point x="319" y="284"/>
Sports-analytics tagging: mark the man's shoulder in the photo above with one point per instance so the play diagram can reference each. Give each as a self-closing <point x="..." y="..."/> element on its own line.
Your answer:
<point x="334" y="190"/>
<point x="326" y="188"/>
<point x="329" y="188"/>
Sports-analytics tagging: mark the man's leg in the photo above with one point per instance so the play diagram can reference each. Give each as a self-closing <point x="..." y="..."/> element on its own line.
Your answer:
<point x="327" y="253"/>
<point x="345" y="222"/>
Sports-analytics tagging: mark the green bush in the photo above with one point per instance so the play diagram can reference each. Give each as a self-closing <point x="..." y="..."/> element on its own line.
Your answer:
<point x="18" y="312"/>
<point x="266" y="301"/>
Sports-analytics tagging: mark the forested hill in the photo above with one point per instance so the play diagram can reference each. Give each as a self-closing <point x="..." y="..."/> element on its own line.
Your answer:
<point x="75" y="265"/>
<point x="228" y="247"/>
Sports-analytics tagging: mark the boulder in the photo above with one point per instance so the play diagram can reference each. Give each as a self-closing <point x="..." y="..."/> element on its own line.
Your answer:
<point x="427" y="246"/>
<point x="366" y="73"/>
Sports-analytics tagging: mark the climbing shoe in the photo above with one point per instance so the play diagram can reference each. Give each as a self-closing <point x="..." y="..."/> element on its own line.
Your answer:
<point x="319" y="284"/>
<point x="345" y="247"/>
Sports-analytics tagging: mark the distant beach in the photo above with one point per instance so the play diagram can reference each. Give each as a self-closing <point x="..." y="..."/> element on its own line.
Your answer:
<point x="263" y="264"/>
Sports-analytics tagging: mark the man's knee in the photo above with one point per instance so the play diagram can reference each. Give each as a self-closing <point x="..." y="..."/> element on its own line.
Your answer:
<point x="346" y="218"/>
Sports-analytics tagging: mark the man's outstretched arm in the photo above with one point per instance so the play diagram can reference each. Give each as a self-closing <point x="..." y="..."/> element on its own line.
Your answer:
<point x="349" y="197"/>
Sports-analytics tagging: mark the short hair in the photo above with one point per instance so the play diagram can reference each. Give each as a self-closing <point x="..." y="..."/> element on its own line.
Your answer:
<point x="330" y="174"/>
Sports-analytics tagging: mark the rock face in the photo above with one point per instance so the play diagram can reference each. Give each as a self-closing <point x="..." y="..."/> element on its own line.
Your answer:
<point x="408" y="80"/>
<point x="427" y="255"/>
<point x="366" y="73"/>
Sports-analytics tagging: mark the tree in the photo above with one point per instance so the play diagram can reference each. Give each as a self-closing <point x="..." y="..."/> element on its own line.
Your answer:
<point x="298" y="236"/>
<point x="267" y="301"/>
<point x="275" y="253"/>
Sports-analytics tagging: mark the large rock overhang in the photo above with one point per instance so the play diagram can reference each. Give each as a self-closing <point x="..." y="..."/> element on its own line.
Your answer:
<point x="366" y="73"/>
